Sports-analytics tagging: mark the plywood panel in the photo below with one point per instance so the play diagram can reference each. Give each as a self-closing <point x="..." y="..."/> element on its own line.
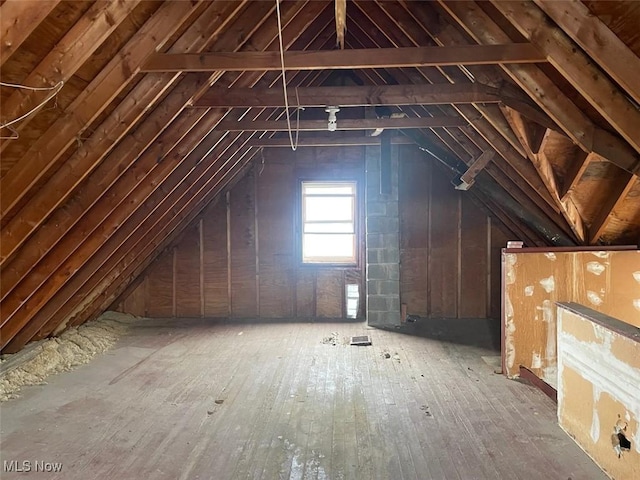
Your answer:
<point x="443" y="264"/>
<point x="276" y="251"/>
<point x="306" y="293"/>
<point x="609" y="282"/>
<point x="135" y="301"/>
<point x="414" y="234"/>
<point x="188" y="274"/>
<point x="534" y="282"/>
<point x="473" y="262"/>
<point x="330" y="294"/>
<point x="243" y="248"/>
<point x="216" y="285"/>
<point x="601" y="280"/>
<point x="159" y="302"/>
<point x="498" y="241"/>
<point x="599" y="389"/>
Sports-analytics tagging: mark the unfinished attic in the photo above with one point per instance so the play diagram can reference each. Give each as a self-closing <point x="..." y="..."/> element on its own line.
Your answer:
<point x="320" y="240"/>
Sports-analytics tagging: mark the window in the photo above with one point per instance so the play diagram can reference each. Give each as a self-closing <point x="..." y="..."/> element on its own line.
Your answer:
<point x="328" y="222"/>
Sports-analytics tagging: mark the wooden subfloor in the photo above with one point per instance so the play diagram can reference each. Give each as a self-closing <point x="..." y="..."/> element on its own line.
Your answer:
<point x="189" y="400"/>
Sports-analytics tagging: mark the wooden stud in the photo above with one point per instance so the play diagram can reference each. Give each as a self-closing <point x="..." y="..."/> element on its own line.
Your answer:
<point x="201" y="263"/>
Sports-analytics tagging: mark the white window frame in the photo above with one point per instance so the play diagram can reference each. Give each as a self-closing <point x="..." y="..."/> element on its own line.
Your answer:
<point x="326" y="259"/>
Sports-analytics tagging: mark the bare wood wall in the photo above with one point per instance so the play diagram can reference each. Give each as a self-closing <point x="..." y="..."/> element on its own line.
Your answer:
<point x="450" y="249"/>
<point x="239" y="259"/>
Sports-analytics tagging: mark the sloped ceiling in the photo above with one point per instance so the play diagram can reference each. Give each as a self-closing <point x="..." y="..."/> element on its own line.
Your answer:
<point x="127" y="150"/>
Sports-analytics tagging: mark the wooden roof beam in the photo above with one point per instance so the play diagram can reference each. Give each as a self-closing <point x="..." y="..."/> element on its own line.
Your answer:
<point x="345" y="59"/>
<point x="67" y="56"/>
<point x="342" y="124"/>
<point x="42" y="297"/>
<point x="577" y="167"/>
<point x="112" y="131"/>
<point x="595" y="38"/>
<point x="575" y="66"/>
<point x="160" y="207"/>
<point x="350" y="96"/>
<point x="51" y="144"/>
<point x="446" y="34"/>
<point x="544" y="92"/>
<point x="567" y="207"/>
<point x="621" y="188"/>
<point x="477" y="166"/>
<point x="535" y="149"/>
<point x="486" y="135"/>
<point x="18" y="18"/>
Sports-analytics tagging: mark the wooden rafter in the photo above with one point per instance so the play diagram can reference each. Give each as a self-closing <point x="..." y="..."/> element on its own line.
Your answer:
<point x="577" y="167"/>
<point x="114" y="127"/>
<point x="546" y="93"/>
<point x="68" y="55"/>
<point x="344" y="124"/>
<point x="485" y="136"/>
<point x="595" y="38"/>
<point x="349" y="96"/>
<point x="49" y="146"/>
<point x="116" y="222"/>
<point x="568" y="209"/>
<point x="534" y="145"/>
<point x="349" y="59"/>
<point x="18" y="18"/>
<point x="577" y="67"/>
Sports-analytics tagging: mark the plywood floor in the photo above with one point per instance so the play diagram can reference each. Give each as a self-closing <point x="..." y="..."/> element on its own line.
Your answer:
<point x="271" y="401"/>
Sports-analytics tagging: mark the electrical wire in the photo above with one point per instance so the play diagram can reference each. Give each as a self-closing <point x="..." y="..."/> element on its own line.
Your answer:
<point x="294" y="146"/>
<point x="54" y="91"/>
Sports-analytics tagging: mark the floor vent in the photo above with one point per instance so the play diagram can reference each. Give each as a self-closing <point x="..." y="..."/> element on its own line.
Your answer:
<point x="361" y="340"/>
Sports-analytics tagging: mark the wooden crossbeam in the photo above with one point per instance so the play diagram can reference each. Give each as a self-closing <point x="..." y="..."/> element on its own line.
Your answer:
<point x="477" y="166"/>
<point x="346" y="59"/>
<point x="350" y="96"/>
<point x="343" y="124"/>
<point x="327" y="141"/>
